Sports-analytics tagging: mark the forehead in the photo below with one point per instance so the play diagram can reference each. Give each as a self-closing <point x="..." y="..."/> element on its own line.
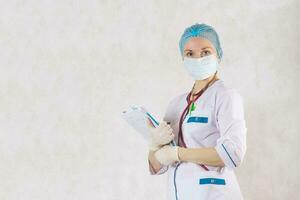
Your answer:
<point x="197" y="43"/>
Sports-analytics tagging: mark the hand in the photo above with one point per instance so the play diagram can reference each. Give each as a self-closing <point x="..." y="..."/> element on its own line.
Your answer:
<point x="159" y="136"/>
<point x="167" y="155"/>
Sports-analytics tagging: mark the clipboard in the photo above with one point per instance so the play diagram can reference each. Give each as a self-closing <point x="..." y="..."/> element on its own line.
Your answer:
<point x="137" y="117"/>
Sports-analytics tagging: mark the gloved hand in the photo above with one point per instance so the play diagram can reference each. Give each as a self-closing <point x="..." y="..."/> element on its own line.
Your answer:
<point x="159" y="136"/>
<point x="167" y="155"/>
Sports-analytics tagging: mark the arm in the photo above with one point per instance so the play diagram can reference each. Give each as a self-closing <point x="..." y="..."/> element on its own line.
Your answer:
<point x="160" y="136"/>
<point x="172" y="116"/>
<point x="206" y="156"/>
<point x="230" y="147"/>
<point x="154" y="165"/>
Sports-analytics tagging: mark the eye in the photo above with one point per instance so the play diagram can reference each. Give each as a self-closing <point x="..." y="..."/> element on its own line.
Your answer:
<point x="204" y="53"/>
<point x="189" y="54"/>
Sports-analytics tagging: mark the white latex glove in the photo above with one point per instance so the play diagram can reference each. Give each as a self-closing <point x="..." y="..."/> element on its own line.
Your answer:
<point x="159" y="136"/>
<point x="167" y="155"/>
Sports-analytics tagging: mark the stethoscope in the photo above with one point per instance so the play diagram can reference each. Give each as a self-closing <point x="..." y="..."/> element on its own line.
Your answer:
<point x="185" y="112"/>
<point x="188" y="109"/>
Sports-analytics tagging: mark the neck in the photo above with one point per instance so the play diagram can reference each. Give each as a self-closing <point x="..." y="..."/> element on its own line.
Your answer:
<point x="200" y="84"/>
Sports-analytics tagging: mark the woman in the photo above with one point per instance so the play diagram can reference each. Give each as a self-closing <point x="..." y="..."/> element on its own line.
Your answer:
<point x="207" y="124"/>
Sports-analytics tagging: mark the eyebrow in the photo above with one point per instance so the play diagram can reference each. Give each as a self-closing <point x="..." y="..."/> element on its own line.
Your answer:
<point x="201" y="49"/>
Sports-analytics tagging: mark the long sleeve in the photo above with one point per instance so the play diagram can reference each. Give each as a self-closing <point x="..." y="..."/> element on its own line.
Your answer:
<point x="171" y="116"/>
<point x="231" y="146"/>
<point x="164" y="168"/>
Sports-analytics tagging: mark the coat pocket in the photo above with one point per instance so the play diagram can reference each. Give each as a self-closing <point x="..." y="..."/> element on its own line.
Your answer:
<point x="198" y="126"/>
<point x="213" y="185"/>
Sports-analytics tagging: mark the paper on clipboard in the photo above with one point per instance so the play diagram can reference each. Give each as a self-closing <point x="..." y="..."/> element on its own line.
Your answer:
<point x="137" y="117"/>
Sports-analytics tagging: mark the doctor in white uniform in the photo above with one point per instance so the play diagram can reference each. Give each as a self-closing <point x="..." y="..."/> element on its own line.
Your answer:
<point x="207" y="123"/>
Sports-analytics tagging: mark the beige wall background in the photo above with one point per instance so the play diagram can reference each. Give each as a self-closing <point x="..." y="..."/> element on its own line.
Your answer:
<point x="68" y="69"/>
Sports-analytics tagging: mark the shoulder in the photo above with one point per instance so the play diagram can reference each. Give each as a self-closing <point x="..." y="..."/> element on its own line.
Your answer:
<point x="176" y="104"/>
<point x="229" y="102"/>
<point x="227" y="93"/>
<point x="177" y="101"/>
<point x="178" y="98"/>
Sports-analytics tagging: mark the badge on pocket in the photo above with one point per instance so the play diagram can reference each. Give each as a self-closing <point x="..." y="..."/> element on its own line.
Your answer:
<point x="216" y="181"/>
<point x="197" y="119"/>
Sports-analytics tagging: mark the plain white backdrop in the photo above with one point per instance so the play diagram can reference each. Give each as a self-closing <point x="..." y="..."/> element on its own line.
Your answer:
<point x="68" y="69"/>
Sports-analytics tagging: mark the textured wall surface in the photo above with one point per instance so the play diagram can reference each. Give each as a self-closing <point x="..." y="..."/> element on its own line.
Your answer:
<point x="68" y="68"/>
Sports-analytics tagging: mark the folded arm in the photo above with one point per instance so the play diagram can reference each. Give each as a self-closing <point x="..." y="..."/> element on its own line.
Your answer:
<point x="206" y="156"/>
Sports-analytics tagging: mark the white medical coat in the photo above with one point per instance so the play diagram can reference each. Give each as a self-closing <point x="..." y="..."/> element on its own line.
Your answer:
<point x="218" y="121"/>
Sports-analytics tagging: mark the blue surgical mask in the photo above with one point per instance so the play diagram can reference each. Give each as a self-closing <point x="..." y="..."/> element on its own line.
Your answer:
<point x="201" y="68"/>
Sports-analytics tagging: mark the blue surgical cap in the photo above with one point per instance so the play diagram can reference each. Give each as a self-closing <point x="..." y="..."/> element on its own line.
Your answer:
<point x="201" y="30"/>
